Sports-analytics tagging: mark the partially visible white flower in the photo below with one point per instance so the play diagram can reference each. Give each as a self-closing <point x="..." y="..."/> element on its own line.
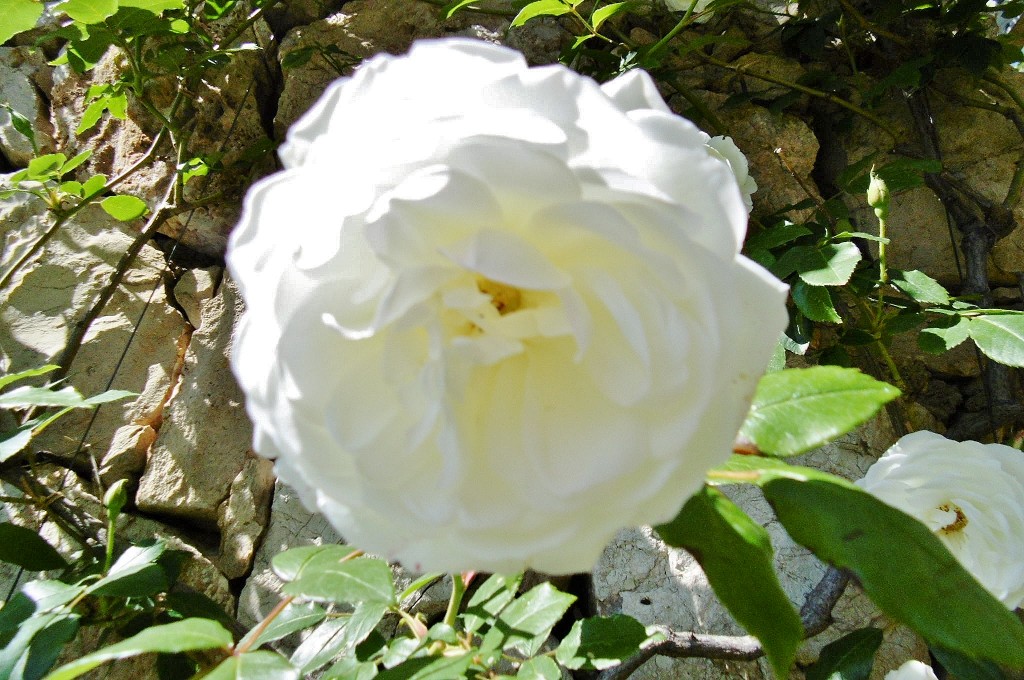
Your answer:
<point x="683" y="5"/>
<point x="496" y="313"/>
<point x="912" y="670"/>
<point x="970" y="494"/>
<point x="726" y="149"/>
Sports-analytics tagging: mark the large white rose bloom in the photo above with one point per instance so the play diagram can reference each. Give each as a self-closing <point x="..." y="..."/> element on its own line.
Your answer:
<point x="496" y="313"/>
<point x="912" y="670"/>
<point x="970" y="494"/>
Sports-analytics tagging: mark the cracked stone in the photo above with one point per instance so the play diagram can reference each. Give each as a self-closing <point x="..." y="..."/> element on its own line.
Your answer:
<point x="203" y="442"/>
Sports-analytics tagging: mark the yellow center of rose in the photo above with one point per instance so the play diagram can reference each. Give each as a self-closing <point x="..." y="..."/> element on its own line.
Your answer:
<point x="957" y="524"/>
<point x="504" y="298"/>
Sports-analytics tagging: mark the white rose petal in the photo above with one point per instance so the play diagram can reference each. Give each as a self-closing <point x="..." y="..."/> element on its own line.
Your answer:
<point x="912" y="670"/>
<point x="496" y="313"/>
<point x="970" y="494"/>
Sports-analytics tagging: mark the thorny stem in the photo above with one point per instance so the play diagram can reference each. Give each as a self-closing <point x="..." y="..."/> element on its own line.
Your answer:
<point x="827" y="96"/>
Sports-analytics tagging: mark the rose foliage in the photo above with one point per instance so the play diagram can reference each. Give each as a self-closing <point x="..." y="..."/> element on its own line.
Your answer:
<point x="493" y="318"/>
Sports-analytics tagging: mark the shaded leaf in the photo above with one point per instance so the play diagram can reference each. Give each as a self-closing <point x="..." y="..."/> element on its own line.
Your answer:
<point x="6" y="380"/>
<point x="27" y="549"/>
<point x="797" y="410"/>
<point x="902" y="566"/>
<point x="259" y="665"/>
<point x="605" y="13"/>
<point x="296" y="616"/>
<point x="135" y="573"/>
<point x="489" y="599"/>
<point x="815" y="302"/>
<point x="600" y="642"/>
<point x="736" y="555"/>
<point x="848" y="658"/>
<point x="172" y="638"/>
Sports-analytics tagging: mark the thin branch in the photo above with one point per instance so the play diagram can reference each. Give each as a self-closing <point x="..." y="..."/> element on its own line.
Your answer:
<point x="816" y="615"/>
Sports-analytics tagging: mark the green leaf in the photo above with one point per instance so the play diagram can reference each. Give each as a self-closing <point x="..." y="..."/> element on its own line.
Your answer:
<point x="172" y="638"/>
<point x="1000" y="337"/>
<point x="777" y="236"/>
<point x="154" y="6"/>
<point x="364" y="579"/>
<point x="18" y="16"/>
<point x="815" y="302"/>
<point x="289" y="565"/>
<point x="600" y="642"/>
<point x="36" y="645"/>
<point x="25" y="397"/>
<point x="736" y="555"/>
<point x="296" y="616"/>
<point x="422" y="582"/>
<point x="27" y="549"/>
<point x="135" y="573"/>
<point x="963" y="667"/>
<point x="449" y="10"/>
<point x="797" y="410"/>
<point x="920" y="287"/>
<point x="6" y="380"/>
<point x="259" y="665"/>
<point x="830" y="265"/>
<point x="44" y="167"/>
<point x="75" y="162"/>
<point x="758" y="470"/>
<point x="93" y="185"/>
<point x="527" y="621"/>
<point x="351" y="668"/>
<point x="848" y="658"/>
<point x="937" y="340"/>
<point x="337" y="636"/>
<point x="608" y="11"/>
<point x="539" y="668"/>
<point x="21" y="124"/>
<point x="902" y="566"/>
<point x="108" y="396"/>
<point x="124" y="208"/>
<point x="88" y="11"/>
<point x="489" y="599"/>
<point x="429" y="668"/>
<point x="14" y="441"/>
<point x="541" y="8"/>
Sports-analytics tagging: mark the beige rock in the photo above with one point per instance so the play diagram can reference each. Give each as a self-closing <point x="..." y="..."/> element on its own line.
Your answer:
<point x="23" y="75"/>
<point x="363" y="28"/>
<point x="242" y="518"/>
<point x="129" y="346"/>
<point x="194" y="288"/>
<point x="126" y="457"/>
<point x="204" y="439"/>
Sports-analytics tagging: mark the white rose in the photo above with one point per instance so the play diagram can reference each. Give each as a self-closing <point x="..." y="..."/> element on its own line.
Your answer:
<point x="727" y="150"/>
<point x="970" y="494"/>
<point x="496" y="313"/>
<point x="912" y="670"/>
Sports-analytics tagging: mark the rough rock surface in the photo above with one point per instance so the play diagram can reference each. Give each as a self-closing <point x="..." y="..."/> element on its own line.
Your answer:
<point x="640" y="576"/>
<point x="24" y="75"/>
<point x="130" y="346"/>
<point x="204" y="440"/>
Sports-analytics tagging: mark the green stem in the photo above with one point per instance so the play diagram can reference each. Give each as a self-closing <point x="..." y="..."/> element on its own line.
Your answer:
<point x="676" y="30"/>
<point x="458" y="591"/>
<point x="109" y="557"/>
<point x="883" y="269"/>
